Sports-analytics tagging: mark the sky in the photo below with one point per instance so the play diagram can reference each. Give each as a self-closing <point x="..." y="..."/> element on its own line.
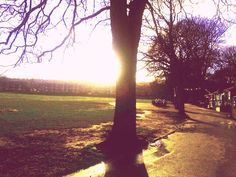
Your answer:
<point x="91" y="60"/>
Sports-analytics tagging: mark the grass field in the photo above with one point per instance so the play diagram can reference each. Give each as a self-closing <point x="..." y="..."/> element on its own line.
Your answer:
<point x="26" y="112"/>
<point x="41" y="135"/>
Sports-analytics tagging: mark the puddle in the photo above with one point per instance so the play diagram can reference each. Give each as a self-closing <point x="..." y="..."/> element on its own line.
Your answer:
<point x="140" y="114"/>
<point x="112" y="104"/>
<point x="95" y="171"/>
<point x="5" y="142"/>
<point x="101" y="169"/>
<point x="9" y="110"/>
<point x="228" y="124"/>
<point x="192" y="151"/>
<point x="143" y="114"/>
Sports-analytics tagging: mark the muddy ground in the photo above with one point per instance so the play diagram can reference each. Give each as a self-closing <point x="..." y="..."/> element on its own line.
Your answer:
<point x="58" y="152"/>
<point x="202" y="146"/>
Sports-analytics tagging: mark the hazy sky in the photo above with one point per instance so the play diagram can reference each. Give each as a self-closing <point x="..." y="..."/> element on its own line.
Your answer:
<point x="91" y="60"/>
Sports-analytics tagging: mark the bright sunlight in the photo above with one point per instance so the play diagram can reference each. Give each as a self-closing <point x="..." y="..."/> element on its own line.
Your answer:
<point x="92" y="61"/>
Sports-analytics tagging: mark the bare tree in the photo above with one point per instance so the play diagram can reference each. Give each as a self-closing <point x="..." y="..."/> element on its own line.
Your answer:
<point x="194" y="45"/>
<point x="165" y="14"/>
<point x="226" y="10"/>
<point x="126" y="22"/>
<point x="25" y="23"/>
<point x="227" y="69"/>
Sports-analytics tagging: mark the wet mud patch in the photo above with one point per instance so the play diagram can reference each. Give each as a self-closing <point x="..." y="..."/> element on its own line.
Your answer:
<point x="155" y="124"/>
<point x="8" y="110"/>
<point x="160" y="148"/>
<point x="162" y="151"/>
<point x="51" y="152"/>
<point x="58" y="152"/>
<point x="196" y="153"/>
<point x="6" y="142"/>
<point x="143" y="114"/>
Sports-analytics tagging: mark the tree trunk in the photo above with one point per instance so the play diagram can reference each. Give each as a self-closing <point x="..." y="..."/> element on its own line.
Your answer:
<point x="180" y="101"/>
<point x="180" y="95"/>
<point x="175" y="98"/>
<point x="177" y="81"/>
<point x="176" y="76"/>
<point x="126" y="30"/>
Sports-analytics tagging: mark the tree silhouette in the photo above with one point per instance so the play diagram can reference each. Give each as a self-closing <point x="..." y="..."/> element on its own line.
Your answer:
<point x="126" y="29"/>
<point x="24" y="24"/>
<point x="225" y="72"/>
<point x="228" y="59"/>
<point x="194" y="44"/>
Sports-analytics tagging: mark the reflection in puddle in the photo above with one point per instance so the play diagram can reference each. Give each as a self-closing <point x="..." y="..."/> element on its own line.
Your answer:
<point x="127" y="166"/>
<point x="94" y="171"/>
<point x="9" y="110"/>
<point x="143" y="114"/>
<point x="228" y="124"/>
<point x="112" y="103"/>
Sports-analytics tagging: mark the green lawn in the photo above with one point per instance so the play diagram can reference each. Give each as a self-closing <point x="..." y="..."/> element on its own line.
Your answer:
<point x="25" y="112"/>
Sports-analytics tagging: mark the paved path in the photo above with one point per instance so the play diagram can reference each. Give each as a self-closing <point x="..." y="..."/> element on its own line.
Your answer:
<point x="204" y="147"/>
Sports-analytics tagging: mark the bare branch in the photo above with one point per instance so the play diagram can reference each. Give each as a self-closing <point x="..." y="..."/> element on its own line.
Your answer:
<point x="35" y="19"/>
<point x="153" y="17"/>
<point x="91" y="16"/>
<point x="70" y="32"/>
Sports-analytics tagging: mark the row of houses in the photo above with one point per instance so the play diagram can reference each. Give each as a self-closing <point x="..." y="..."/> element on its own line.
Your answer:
<point x="52" y="87"/>
<point x="55" y="87"/>
<point x="223" y="100"/>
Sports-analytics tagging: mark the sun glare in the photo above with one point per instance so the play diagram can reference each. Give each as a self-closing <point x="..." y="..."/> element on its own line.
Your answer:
<point x="93" y="61"/>
<point x="95" y="64"/>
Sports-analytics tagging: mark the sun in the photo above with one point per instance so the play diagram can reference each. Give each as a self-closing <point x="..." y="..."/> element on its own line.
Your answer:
<point x="93" y="63"/>
<point x="92" y="60"/>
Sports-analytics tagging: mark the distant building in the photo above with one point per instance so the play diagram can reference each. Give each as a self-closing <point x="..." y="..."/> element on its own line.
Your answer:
<point x="223" y="100"/>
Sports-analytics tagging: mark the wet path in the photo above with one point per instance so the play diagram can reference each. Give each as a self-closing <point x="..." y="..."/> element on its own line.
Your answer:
<point x="204" y="147"/>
